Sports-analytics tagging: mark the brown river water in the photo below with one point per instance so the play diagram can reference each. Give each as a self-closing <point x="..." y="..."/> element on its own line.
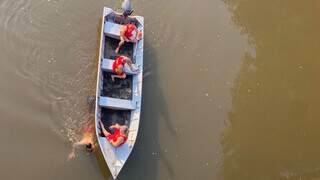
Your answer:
<point x="231" y="89"/>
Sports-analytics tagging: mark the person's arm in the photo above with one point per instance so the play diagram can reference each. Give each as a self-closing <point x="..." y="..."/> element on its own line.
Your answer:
<point x="139" y="36"/>
<point x="72" y="154"/>
<point x="122" y="38"/>
<point x="120" y="44"/>
<point x="118" y="76"/>
<point x="104" y="131"/>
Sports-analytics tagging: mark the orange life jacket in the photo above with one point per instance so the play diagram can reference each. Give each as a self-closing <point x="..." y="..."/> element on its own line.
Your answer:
<point x="130" y="28"/>
<point x="114" y="137"/>
<point x="116" y="64"/>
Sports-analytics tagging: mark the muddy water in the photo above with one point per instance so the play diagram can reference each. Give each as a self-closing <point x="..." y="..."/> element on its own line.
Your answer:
<point x="273" y="128"/>
<point x="230" y="89"/>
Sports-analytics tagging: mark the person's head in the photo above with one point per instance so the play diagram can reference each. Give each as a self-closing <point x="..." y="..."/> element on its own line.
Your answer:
<point x="126" y="60"/>
<point x="124" y="130"/>
<point x="89" y="147"/>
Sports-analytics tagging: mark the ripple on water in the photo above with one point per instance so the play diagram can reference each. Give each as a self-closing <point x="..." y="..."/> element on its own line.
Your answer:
<point x="53" y="57"/>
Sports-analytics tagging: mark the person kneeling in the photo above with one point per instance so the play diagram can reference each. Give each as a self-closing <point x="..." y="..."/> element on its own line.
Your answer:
<point x="129" y="33"/>
<point x="122" y="65"/>
<point x="118" y="137"/>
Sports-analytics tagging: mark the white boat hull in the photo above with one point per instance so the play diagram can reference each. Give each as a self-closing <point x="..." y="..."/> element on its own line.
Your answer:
<point x="116" y="157"/>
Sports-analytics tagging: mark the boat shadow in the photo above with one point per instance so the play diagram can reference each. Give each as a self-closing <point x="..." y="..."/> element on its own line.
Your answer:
<point x="146" y="155"/>
<point x="102" y="165"/>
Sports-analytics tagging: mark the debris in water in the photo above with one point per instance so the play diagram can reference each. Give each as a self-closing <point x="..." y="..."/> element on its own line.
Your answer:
<point x="155" y="153"/>
<point x="219" y="36"/>
<point x="249" y="90"/>
<point x="301" y="67"/>
<point x="206" y="94"/>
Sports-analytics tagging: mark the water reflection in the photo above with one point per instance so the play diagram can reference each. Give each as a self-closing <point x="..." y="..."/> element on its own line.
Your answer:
<point x="273" y="126"/>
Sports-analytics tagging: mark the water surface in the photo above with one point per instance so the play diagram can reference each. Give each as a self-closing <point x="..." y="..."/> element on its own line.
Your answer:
<point x="230" y="89"/>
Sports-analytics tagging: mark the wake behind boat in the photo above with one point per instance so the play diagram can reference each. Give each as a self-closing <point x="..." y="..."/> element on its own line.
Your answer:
<point x="119" y="101"/>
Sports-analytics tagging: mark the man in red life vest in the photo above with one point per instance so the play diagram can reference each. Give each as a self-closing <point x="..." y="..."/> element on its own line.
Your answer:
<point x="119" y="135"/>
<point x="119" y="65"/>
<point x="129" y="33"/>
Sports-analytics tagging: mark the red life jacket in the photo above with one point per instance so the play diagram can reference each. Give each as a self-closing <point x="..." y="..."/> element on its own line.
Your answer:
<point x="114" y="137"/>
<point x="115" y="66"/>
<point x="130" y="28"/>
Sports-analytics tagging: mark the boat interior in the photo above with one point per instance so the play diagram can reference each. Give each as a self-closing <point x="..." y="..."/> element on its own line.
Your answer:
<point x="120" y="88"/>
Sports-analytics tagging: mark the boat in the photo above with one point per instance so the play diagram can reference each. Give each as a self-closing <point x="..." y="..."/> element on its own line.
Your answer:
<point x="119" y="101"/>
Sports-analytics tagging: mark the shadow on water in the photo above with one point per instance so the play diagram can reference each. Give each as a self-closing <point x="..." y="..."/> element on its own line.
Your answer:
<point x="102" y="165"/>
<point x="273" y="128"/>
<point x="144" y="159"/>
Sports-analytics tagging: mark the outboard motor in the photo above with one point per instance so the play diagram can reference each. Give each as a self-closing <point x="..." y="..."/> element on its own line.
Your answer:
<point x="127" y="8"/>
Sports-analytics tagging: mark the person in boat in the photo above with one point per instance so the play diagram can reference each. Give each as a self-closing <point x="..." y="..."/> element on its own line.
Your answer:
<point x="118" y="135"/>
<point x="87" y="141"/>
<point x="121" y="65"/>
<point x="129" y="33"/>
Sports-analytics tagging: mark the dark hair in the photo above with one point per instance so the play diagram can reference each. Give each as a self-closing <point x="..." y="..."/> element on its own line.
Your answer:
<point x="89" y="147"/>
<point x="111" y="131"/>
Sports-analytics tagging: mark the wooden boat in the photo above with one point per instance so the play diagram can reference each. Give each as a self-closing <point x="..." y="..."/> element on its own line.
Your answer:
<point x="119" y="101"/>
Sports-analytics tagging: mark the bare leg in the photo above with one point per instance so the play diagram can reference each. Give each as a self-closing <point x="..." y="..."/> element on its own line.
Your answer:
<point x="120" y="44"/>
